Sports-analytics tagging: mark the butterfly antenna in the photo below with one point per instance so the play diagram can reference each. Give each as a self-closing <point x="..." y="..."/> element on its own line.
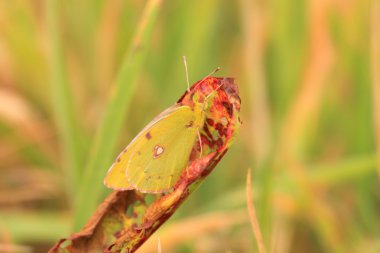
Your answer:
<point x="211" y="93"/>
<point x="213" y="72"/>
<point x="187" y="73"/>
<point x="217" y="88"/>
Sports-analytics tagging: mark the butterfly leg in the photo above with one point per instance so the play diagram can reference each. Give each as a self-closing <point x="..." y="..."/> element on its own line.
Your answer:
<point x="200" y="142"/>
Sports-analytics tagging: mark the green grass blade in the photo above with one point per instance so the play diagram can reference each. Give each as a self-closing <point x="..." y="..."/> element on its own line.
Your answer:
<point x="344" y="171"/>
<point x="65" y="117"/>
<point x="115" y="114"/>
<point x="34" y="227"/>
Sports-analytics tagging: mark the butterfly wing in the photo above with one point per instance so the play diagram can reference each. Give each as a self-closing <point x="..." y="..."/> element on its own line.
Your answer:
<point x="115" y="178"/>
<point x="160" y="130"/>
<point x="156" y="163"/>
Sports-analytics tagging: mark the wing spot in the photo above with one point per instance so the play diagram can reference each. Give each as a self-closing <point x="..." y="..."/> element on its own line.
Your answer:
<point x="158" y="151"/>
<point x="148" y="135"/>
<point x="118" y="159"/>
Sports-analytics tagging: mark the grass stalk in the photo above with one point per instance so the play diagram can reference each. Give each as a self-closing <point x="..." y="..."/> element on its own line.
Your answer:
<point x="252" y="215"/>
<point x="62" y="99"/>
<point x="375" y="67"/>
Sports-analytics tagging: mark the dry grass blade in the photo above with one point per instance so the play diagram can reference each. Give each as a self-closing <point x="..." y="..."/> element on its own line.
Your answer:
<point x="159" y="246"/>
<point x="303" y="114"/>
<point x="18" y="113"/>
<point x="106" y="41"/>
<point x="252" y="215"/>
<point x="255" y="31"/>
<point x="193" y="228"/>
<point x="27" y="184"/>
<point x="375" y="53"/>
<point x="6" y="75"/>
<point x="9" y="248"/>
<point x="307" y="103"/>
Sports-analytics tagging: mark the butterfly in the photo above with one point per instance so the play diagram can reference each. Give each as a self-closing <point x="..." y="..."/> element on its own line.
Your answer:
<point x="156" y="157"/>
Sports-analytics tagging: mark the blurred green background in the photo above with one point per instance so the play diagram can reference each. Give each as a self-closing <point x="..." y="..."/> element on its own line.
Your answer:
<point x="75" y="89"/>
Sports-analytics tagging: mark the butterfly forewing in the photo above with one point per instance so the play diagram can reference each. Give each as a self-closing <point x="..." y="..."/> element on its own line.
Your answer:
<point x="162" y="152"/>
<point x="116" y="178"/>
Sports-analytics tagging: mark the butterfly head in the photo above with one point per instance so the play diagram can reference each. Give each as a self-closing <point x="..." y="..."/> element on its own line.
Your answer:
<point x="204" y="94"/>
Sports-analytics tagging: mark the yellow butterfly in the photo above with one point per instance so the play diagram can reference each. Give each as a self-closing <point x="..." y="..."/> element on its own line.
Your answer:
<point x="156" y="157"/>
